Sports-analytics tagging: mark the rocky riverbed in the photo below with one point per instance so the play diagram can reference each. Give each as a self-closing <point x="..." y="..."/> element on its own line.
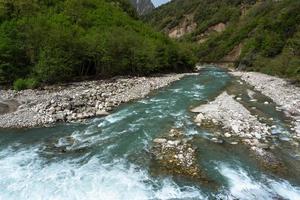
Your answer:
<point x="238" y="125"/>
<point x="175" y="155"/>
<point x="74" y="101"/>
<point x="233" y="117"/>
<point x="283" y="93"/>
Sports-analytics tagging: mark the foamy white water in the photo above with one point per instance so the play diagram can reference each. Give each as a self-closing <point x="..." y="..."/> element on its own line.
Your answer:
<point x="243" y="186"/>
<point x="24" y="175"/>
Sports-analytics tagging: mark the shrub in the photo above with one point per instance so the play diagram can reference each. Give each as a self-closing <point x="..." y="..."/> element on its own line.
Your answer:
<point x="22" y="84"/>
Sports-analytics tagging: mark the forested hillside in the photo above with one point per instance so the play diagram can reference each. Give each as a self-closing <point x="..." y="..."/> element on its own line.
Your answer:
<point x="50" y="41"/>
<point x="258" y="35"/>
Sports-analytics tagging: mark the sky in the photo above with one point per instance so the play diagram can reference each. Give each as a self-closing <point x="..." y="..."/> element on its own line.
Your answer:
<point x="159" y="2"/>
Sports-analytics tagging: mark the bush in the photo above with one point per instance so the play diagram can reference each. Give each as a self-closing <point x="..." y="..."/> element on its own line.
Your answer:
<point x="22" y="84"/>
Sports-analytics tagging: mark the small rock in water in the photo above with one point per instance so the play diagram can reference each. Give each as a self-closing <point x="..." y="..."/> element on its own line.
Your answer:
<point x="266" y="103"/>
<point x="228" y="135"/>
<point x="234" y="143"/>
<point x="274" y="126"/>
<point x="216" y="140"/>
<point x="239" y="98"/>
<point x="284" y="139"/>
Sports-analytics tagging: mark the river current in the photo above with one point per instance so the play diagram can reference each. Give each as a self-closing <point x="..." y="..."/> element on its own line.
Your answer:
<point x="108" y="158"/>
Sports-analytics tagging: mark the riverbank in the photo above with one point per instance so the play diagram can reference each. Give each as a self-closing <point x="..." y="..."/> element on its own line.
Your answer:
<point x="237" y="116"/>
<point x="235" y="121"/>
<point x="75" y="101"/>
<point x="232" y="116"/>
<point x="284" y="94"/>
<point x="232" y="123"/>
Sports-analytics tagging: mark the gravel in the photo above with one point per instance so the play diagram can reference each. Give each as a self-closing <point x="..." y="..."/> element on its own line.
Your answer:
<point x="286" y="95"/>
<point x="76" y="101"/>
<point x="233" y="116"/>
<point x="226" y="112"/>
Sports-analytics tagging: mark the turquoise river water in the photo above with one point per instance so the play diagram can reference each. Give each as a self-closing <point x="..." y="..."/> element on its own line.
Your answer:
<point x="108" y="158"/>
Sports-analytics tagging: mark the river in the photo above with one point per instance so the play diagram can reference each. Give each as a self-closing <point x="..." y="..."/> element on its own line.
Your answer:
<point x="108" y="158"/>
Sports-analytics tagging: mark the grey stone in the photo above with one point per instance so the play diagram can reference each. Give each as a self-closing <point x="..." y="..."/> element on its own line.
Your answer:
<point x="160" y="140"/>
<point x="102" y="113"/>
<point x="228" y="135"/>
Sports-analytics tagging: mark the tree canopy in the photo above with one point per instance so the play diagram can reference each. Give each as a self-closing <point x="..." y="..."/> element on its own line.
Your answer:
<point x="50" y="41"/>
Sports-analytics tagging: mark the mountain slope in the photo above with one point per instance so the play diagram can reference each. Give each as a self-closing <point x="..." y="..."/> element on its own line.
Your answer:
<point x="256" y="35"/>
<point x="201" y="13"/>
<point x="143" y="6"/>
<point x="51" y="41"/>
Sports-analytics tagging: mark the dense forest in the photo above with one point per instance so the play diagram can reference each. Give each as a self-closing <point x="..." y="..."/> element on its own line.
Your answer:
<point x="51" y="41"/>
<point x="268" y="32"/>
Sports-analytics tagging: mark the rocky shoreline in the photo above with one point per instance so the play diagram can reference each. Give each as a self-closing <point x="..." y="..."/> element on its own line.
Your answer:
<point x="232" y="116"/>
<point x="75" y="102"/>
<point x="235" y="124"/>
<point x="284" y="94"/>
